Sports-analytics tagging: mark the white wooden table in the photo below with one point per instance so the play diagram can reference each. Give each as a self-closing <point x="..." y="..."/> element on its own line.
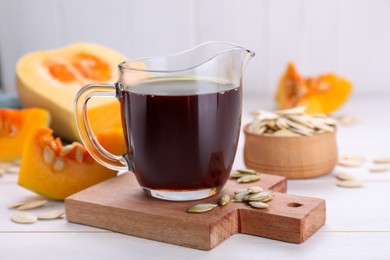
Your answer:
<point x="357" y="226"/>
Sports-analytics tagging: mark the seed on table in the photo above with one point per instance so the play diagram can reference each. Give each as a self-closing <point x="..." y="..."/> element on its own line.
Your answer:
<point x="343" y="176"/>
<point x="258" y="204"/>
<point x="200" y="208"/>
<point x="350" y="163"/>
<point x="249" y="178"/>
<point x="24" y="218"/>
<point x="379" y="168"/>
<point x="32" y="204"/>
<point x="382" y="160"/>
<point x="351" y="184"/>
<point x="53" y="214"/>
<point x="237" y="175"/>
<point x="225" y="199"/>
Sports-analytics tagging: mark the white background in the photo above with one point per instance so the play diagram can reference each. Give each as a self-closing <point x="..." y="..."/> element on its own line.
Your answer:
<point x="349" y="37"/>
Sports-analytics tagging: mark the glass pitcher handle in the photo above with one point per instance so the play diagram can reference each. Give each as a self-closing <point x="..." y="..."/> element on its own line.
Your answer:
<point x="101" y="155"/>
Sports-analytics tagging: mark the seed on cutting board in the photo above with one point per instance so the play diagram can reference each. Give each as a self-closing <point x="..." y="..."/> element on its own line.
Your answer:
<point x="53" y="214"/>
<point x="351" y="184"/>
<point x="32" y="204"/>
<point x="240" y="191"/>
<point x="343" y="176"/>
<point x="258" y="204"/>
<point x="237" y="175"/>
<point x="199" y="208"/>
<point x="239" y="196"/>
<point x="379" y="168"/>
<point x="255" y="189"/>
<point x="247" y="171"/>
<point x="249" y="178"/>
<point x="24" y="218"/>
<point x="382" y="160"/>
<point x="262" y="196"/>
<point x="225" y="199"/>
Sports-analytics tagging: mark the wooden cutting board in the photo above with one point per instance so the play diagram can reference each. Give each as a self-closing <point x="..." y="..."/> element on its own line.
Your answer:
<point x="120" y="205"/>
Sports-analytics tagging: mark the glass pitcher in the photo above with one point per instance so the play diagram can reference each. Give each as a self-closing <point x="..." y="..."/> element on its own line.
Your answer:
<point x="181" y="117"/>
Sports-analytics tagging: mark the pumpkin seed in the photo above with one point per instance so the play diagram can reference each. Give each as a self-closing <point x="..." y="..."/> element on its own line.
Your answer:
<point x="66" y="149"/>
<point x="292" y="111"/>
<point x="24" y="218"/>
<point x="48" y="155"/>
<point x="248" y="178"/>
<point x="240" y="191"/>
<point x="382" y="160"/>
<point x="79" y="154"/>
<point x="240" y="196"/>
<point x="351" y="184"/>
<point x="255" y="189"/>
<point x="237" y="175"/>
<point x="379" y="168"/>
<point x="53" y="214"/>
<point x="225" y="199"/>
<point x="343" y="176"/>
<point x="12" y="169"/>
<point x="285" y="132"/>
<point x="199" y="208"/>
<point x="247" y="171"/>
<point x="19" y="203"/>
<point x="350" y="163"/>
<point x="258" y="204"/>
<point x="262" y="196"/>
<point x="32" y="204"/>
<point x="58" y="164"/>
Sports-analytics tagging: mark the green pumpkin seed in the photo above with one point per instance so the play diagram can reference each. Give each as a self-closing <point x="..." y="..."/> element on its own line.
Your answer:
<point x="237" y="175"/>
<point x="239" y="196"/>
<point x="248" y="178"/>
<point x="258" y="204"/>
<point x="225" y="199"/>
<point x="247" y="171"/>
<point x="262" y="196"/>
<point x="255" y="189"/>
<point x="199" y="208"/>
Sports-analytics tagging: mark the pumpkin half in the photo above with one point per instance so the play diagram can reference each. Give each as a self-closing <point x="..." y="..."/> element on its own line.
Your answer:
<point x="56" y="171"/>
<point x="322" y="94"/>
<point x="50" y="79"/>
<point x="14" y="127"/>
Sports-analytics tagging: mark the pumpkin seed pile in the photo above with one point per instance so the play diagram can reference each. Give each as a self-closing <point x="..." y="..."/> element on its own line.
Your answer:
<point x="29" y="218"/>
<point x="254" y="196"/>
<point x="245" y="176"/>
<point x="290" y="122"/>
<point x="347" y="180"/>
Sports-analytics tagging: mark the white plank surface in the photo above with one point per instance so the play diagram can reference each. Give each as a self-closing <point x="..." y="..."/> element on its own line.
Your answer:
<point x="357" y="226"/>
<point x="349" y="37"/>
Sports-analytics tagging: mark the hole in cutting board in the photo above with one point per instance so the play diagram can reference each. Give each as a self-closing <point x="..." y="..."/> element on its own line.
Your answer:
<point x="294" y="204"/>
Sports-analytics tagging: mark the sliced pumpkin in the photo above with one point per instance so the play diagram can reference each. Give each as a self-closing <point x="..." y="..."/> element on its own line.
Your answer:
<point x="50" y="79"/>
<point x="56" y="171"/>
<point x="322" y="94"/>
<point x="14" y="127"/>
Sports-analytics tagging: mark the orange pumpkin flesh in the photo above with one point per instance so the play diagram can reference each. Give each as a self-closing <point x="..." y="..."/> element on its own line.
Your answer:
<point x="69" y="170"/>
<point x="14" y="128"/>
<point x="322" y="94"/>
<point x="50" y="79"/>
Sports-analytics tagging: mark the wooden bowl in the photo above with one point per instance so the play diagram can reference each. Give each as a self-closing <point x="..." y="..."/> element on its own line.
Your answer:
<point x="295" y="157"/>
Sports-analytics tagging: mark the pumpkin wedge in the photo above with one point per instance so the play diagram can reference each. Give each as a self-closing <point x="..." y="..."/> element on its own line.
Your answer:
<point x="56" y="171"/>
<point x="50" y="79"/>
<point x="15" y="125"/>
<point x="322" y="94"/>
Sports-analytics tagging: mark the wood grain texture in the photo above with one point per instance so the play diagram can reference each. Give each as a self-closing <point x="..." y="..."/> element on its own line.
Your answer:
<point x="119" y="204"/>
